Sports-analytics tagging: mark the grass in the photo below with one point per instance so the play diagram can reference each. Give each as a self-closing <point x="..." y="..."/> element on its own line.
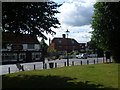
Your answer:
<point x="85" y="76"/>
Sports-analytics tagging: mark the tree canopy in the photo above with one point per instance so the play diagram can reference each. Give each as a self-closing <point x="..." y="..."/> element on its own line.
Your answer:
<point x="30" y="17"/>
<point x="105" y="23"/>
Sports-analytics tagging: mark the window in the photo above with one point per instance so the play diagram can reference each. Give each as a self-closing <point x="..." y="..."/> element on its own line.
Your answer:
<point x="60" y="41"/>
<point x="60" y="47"/>
<point x="22" y="55"/>
<point x="31" y="46"/>
<point x="73" y="42"/>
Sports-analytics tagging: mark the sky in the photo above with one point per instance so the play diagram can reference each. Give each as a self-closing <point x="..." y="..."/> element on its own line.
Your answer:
<point x="75" y="15"/>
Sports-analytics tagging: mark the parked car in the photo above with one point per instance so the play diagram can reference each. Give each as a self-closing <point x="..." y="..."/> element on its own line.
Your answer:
<point x="82" y="56"/>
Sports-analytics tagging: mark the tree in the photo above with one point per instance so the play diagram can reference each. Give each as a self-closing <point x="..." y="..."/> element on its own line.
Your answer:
<point x="43" y="49"/>
<point x="30" y="17"/>
<point x="52" y="52"/>
<point x="105" y="23"/>
<point x="92" y="45"/>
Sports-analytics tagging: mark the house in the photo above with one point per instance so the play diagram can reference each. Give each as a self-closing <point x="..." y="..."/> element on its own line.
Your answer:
<point x="21" y="48"/>
<point x="83" y="47"/>
<point x="23" y="42"/>
<point x="63" y="44"/>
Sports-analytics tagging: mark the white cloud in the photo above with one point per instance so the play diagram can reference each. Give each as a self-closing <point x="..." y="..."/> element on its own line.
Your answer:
<point x="75" y="16"/>
<point x="81" y="33"/>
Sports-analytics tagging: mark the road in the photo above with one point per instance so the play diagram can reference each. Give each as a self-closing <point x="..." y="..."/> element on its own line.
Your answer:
<point x="39" y="65"/>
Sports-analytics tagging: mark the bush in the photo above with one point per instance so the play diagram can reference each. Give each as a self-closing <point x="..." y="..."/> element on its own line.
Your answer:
<point x="75" y="53"/>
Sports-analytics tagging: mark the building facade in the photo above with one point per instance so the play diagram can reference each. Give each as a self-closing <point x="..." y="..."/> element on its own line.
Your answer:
<point x="20" y="48"/>
<point x="23" y="42"/>
<point x="65" y="44"/>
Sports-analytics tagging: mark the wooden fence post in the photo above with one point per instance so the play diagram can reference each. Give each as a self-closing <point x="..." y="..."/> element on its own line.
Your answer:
<point x="87" y="61"/>
<point x="110" y="60"/>
<point x="106" y="60"/>
<point x="9" y="70"/>
<point x="64" y="63"/>
<point x="34" y="66"/>
<point x="45" y="66"/>
<point x="55" y="65"/>
<point x="97" y="60"/>
<point x="94" y="61"/>
<point x="72" y="63"/>
<point x="23" y="68"/>
<point x="81" y="62"/>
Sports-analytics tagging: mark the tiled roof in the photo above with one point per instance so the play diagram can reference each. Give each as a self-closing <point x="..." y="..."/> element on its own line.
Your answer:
<point x="65" y="41"/>
<point x="21" y="39"/>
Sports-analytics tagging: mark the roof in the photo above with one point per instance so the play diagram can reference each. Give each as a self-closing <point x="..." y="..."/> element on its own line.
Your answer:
<point x="64" y="41"/>
<point x="19" y="39"/>
<point x="82" y="43"/>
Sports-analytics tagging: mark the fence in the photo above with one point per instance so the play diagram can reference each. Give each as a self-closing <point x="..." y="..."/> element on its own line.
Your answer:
<point x="61" y="63"/>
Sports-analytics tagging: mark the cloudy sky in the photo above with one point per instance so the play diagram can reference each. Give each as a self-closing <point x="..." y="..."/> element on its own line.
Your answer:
<point x="75" y="16"/>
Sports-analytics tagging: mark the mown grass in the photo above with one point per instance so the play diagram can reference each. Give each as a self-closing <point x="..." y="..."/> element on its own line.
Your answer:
<point x="85" y="76"/>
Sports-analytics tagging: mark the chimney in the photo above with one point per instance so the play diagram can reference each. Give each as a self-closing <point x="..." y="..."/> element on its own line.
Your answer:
<point x="64" y="36"/>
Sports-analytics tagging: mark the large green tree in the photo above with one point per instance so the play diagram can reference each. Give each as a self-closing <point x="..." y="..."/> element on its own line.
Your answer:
<point x="105" y="23"/>
<point x="30" y="17"/>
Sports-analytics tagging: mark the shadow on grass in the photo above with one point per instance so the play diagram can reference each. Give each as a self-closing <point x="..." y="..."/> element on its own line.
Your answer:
<point x="34" y="81"/>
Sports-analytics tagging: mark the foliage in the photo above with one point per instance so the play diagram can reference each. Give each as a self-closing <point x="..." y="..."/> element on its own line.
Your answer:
<point x="92" y="46"/>
<point x="105" y="23"/>
<point x="52" y="50"/>
<point x="43" y="49"/>
<point x="68" y="54"/>
<point x="75" y="53"/>
<point x="30" y="17"/>
<point x="43" y="46"/>
<point x="53" y="53"/>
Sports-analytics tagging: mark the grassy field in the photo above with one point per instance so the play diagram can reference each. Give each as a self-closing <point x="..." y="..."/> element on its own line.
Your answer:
<point x="85" y="76"/>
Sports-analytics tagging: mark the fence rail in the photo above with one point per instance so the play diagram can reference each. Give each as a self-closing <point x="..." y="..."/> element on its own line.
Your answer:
<point x="54" y="64"/>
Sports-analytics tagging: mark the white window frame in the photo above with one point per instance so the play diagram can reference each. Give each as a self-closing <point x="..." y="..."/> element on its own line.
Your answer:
<point x="31" y="46"/>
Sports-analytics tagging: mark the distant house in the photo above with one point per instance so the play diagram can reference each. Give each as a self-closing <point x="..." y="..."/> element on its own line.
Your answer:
<point x="83" y="47"/>
<point x="23" y="42"/>
<point x="64" y="44"/>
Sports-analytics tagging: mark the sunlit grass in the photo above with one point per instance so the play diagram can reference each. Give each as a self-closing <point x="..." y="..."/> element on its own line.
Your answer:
<point x="85" y="76"/>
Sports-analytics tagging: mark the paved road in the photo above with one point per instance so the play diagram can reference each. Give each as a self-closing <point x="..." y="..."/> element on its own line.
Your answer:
<point x="39" y="65"/>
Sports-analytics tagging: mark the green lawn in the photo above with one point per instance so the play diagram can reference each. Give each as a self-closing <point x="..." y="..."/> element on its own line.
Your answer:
<point x="85" y="76"/>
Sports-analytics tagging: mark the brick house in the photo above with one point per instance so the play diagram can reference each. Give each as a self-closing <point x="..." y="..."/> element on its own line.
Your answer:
<point x="64" y="44"/>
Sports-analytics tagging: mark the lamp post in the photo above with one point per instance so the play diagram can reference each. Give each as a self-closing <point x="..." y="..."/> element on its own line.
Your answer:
<point x="67" y="48"/>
